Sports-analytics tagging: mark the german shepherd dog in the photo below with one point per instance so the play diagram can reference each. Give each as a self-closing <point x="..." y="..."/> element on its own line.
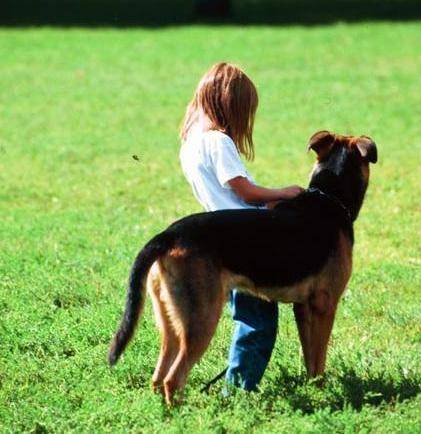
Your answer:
<point x="299" y="252"/>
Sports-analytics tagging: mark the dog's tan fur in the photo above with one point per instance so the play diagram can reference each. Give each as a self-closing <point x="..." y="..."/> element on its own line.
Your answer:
<point x="185" y="330"/>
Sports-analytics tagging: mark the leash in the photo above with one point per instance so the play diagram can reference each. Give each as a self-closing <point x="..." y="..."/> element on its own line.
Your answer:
<point x="207" y="386"/>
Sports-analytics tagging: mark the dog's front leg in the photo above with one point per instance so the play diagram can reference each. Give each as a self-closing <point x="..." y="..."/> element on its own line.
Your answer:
<point x="323" y="306"/>
<point x="314" y="321"/>
<point x="302" y="313"/>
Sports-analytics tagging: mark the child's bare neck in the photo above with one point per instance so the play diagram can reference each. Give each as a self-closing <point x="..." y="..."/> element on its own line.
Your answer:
<point x="204" y="123"/>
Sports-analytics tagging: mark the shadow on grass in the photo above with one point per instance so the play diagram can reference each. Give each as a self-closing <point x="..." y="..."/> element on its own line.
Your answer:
<point x="349" y="389"/>
<point x="161" y="13"/>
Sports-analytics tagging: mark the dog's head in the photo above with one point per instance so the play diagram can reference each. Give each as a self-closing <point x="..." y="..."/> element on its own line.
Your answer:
<point x="342" y="166"/>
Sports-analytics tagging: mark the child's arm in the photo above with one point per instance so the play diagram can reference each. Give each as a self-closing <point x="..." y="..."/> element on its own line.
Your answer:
<point x="252" y="193"/>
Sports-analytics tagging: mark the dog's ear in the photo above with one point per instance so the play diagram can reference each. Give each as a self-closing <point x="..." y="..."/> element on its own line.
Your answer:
<point x="367" y="148"/>
<point x="321" y="143"/>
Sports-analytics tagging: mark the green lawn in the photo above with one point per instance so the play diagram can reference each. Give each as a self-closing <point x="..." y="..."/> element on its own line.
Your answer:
<point x="75" y="208"/>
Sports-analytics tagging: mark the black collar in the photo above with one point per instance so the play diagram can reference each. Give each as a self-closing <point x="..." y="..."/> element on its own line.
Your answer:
<point x="331" y="198"/>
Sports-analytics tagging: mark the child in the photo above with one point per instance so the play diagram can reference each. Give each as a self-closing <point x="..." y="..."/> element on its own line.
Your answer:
<point x="217" y="128"/>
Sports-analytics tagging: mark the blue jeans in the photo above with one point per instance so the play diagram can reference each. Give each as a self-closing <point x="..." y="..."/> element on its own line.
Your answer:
<point x="256" y="324"/>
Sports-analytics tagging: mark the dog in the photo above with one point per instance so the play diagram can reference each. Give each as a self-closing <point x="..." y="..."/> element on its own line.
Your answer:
<point x="299" y="252"/>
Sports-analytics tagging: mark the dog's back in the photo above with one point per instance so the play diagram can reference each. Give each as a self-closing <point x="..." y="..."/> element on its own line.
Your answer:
<point x="270" y="247"/>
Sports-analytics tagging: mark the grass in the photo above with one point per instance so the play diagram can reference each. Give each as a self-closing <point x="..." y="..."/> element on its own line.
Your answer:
<point x="76" y="104"/>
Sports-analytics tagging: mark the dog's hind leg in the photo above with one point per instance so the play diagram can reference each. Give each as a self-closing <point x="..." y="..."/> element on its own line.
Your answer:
<point x="194" y="307"/>
<point x="194" y="340"/>
<point x="315" y="321"/>
<point x="169" y="339"/>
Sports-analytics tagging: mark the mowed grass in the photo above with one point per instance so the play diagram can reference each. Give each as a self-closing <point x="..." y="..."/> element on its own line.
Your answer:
<point x="76" y="104"/>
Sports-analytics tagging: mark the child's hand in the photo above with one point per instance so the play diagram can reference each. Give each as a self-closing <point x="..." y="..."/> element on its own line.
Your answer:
<point x="291" y="191"/>
<point x="286" y="193"/>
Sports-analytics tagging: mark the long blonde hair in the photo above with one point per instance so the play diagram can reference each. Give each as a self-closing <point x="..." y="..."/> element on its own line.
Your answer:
<point x="229" y="99"/>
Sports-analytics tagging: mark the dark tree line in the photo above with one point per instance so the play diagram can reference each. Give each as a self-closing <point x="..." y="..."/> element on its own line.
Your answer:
<point x="213" y="8"/>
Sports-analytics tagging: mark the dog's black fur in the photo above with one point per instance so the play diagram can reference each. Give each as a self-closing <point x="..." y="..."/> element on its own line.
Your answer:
<point x="271" y="247"/>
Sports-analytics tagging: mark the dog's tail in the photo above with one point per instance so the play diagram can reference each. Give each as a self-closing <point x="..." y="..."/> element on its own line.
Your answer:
<point x="136" y="292"/>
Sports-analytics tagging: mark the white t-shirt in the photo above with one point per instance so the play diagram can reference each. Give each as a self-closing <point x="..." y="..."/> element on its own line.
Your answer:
<point x="209" y="160"/>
